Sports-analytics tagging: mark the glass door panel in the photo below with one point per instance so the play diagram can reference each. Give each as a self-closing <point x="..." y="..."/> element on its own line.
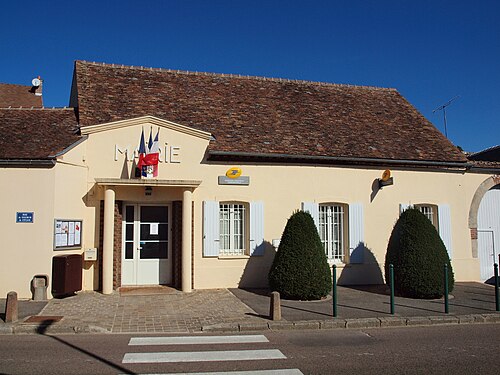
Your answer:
<point x="146" y="245"/>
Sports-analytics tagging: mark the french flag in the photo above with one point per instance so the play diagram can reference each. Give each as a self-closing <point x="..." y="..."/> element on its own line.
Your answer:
<point x="149" y="156"/>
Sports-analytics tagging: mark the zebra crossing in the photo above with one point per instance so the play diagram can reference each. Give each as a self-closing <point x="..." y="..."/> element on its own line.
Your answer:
<point x="159" y="357"/>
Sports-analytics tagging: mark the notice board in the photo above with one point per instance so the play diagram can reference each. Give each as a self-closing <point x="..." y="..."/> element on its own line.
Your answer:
<point x="67" y="234"/>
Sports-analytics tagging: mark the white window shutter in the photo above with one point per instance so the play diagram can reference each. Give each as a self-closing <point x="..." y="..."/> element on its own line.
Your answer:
<point x="313" y="209"/>
<point x="444" y="217"/>
<point x="404" y="207"/>
<point x="356" y="233"/>
<point x="211" y="228"/>
<point x="256" y="228"/>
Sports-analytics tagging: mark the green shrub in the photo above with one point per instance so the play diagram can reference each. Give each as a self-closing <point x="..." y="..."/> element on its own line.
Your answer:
<point x="418" y="255"/>
<point x="300" y="269"/>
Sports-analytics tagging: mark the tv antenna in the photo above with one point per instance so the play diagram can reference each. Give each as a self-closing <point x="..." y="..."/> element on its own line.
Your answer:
<point x="443" y="108"/>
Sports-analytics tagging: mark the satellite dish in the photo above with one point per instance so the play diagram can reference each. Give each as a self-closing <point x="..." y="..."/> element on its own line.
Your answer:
<point x="36" y="82"/>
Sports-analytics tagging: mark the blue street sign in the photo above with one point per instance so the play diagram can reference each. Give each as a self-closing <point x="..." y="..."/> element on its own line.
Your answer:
<point x="24" y="217"/>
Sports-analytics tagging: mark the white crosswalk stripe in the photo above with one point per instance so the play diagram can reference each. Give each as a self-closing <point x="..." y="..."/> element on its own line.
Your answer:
<point x="186" y="340"/>
<point x="292" y="371"/>
<point x="219" y="355"/>
<point x="207" y="356"/>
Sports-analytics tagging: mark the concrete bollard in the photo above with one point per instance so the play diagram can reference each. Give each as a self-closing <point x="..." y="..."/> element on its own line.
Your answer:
<point x="11" y="308"/>
<point x="39" y="287"/>
<point x="275" y="308"/>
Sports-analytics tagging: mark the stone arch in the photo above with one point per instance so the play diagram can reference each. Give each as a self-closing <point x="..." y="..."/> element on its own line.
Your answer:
<point x="474" y="208"/>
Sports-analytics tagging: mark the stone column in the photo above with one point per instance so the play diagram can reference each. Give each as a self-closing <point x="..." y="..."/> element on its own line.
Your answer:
<point x="187" y="199"/>
<point x="108" y="240"/>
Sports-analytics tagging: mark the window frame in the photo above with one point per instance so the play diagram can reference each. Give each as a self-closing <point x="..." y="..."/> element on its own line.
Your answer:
<point x="340" y="253"/>
<point x="227" y="234"/>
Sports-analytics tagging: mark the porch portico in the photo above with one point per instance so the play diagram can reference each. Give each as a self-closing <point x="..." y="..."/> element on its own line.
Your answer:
<point x="110" y="187"/>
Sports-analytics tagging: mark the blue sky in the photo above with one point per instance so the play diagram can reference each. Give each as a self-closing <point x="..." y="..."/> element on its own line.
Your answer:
<point x="431" y="51"/>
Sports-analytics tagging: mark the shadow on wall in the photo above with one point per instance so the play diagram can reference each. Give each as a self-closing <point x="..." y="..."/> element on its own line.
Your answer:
<point x="375" y="189"/>
<point x="129" y="172"/>
<point x="255" y="274"/>
<point x="363" y="269"/>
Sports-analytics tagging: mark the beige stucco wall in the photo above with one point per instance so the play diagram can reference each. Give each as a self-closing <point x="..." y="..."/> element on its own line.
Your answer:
<point x="70" y="197"/>
<point x="26" y="248"/>
<point x="69" y="190"/>
<point x="283" y="188"/>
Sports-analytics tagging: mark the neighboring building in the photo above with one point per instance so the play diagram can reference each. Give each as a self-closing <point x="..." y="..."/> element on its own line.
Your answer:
<point x="491" y="155"/>
<point x="20" y="95"/>
<point x="486" y="214"/>
<point x="237" y="155"/>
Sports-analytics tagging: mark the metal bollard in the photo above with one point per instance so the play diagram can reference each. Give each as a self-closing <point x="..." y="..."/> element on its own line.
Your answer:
<point x="391" y="280"/>
<point x="497" y="302"/>
<point x="334" y="291"/>
<point x="446" y="307"/>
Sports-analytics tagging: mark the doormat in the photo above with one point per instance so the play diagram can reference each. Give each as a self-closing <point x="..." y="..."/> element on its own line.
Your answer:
<point x="146" y="290"/>
<point x="43" y="319"/>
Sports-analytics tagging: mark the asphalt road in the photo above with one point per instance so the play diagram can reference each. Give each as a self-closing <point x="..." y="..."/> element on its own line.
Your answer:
<point x="467" y="349"/>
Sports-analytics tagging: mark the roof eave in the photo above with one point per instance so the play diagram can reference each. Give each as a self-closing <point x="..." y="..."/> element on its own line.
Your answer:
<point x="71" y="146"/>
<point x="27" y="163"/>
<point x="219" y="155"/>
<point x="485" y="170"/>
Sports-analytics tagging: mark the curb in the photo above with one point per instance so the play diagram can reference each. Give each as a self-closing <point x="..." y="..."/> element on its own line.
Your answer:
<point x="282" y="325"/>
<point x="40" y="329"/>
<point x="5" y="329"/>
<point x="363" y="323"/>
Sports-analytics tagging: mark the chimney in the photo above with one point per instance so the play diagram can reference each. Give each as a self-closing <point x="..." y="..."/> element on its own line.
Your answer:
<point x="37" y="86"/>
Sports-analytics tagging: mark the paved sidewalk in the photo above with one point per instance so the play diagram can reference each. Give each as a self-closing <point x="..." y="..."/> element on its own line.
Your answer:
<point x="167" y="313"/>
<point x="370" y="301"/>
<point x="222" y="310"/>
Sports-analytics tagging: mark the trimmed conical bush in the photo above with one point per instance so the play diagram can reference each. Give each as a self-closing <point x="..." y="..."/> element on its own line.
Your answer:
<point x="418" y="255"/>
<point x="300" y="268"/>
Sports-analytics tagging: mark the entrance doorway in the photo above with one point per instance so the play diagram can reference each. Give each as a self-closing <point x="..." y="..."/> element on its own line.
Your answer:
<point x="146" y="245"/>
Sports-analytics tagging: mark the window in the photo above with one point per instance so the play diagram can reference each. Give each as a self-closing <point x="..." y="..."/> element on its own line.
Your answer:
<point x="430" y="211"/>
<point x="232" y="232"/>
<point x="233" y="228"/>
<point x="341" y="228"/>
<point x="332" y="230"/>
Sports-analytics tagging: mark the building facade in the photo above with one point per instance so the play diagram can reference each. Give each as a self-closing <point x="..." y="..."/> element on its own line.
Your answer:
<point x="236" y="156"/>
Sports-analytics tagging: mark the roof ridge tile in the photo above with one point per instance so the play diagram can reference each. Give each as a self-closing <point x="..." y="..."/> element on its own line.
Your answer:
<point x="13" y="84"/>
<point x="239" y="76"/>
<point x="36" y="108"/>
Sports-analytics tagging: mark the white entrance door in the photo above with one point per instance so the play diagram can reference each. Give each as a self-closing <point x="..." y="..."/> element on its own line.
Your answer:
<point x="146" y="249"/>
<point x="488" y="232"/>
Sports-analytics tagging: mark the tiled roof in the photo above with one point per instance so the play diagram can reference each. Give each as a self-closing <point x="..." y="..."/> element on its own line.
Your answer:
<point x="486" y="165"/>
<point x="36" y="133"/>
<point x="486" y="160"/>
<point x="18" y="96"/>
<point x="266" y="116"/>
<point x="489" y="154"/>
